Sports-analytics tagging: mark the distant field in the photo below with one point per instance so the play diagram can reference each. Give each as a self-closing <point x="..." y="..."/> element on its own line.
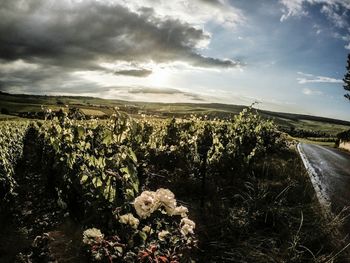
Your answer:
<point x="322" y="126"/>
<point x="16" y="104"/>
<point x="7" y="117"/>
<point x="93" y="112"/>
<point x="313" y="141"/>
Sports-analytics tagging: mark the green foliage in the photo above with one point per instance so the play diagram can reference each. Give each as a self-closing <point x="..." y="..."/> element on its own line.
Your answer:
<point x="98" y="167"/>
<point x="202" y="149"/>
<point x="302" y="133"/>
<point x="237" y="144"/>
<point x="91" y="160"/>
<point x="11" y="148"/>
<point x="172" y="133"/>
<point x="254" y="136"/>
<point x="344" y="135"/>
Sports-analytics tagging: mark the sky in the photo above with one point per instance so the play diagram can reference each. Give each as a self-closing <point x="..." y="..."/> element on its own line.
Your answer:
<point x="288" y="55"/>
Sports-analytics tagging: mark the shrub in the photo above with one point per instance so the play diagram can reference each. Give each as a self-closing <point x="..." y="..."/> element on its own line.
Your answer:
<point x="160" y="231"/>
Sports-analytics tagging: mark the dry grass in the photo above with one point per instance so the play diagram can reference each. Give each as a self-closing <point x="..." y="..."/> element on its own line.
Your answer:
<point x="270" y="215"/>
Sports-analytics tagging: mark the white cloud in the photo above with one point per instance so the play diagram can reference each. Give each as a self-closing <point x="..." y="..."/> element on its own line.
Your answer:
<point x="304" y="74"/>
<point x="345" y="38"/>
<point x="296" y="7"/>
<point x="330" y="8"/>
<point x="317" y="29"/>
<point x="339" y="20"/>
<point x="194" y="12"/>
<point x="308" y="91"/>
<point x="292" y="8"/>
<point x="309" y="78"/>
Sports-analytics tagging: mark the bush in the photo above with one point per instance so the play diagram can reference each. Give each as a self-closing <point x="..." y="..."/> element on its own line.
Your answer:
<point x="159" y="232"/>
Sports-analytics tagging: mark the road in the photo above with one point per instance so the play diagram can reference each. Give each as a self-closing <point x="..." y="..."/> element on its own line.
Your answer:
<point x="329" y="170"/>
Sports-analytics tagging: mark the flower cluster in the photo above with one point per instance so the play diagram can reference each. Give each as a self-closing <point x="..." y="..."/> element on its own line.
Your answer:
<point x="129" y="219"/>
<point x="149" y="201"/>
<point x="159" y="232"/>
<point x="92" y="235"/>
<point x="187" y="226"/>
<point x="166" y="199"/>
<point x="101" y="248"/>
<point x="146" y="204"/>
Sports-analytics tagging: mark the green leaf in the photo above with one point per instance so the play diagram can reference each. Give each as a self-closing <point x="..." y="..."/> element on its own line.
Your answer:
<point x="81" y="131"/>
<point x="143" y="235"/>
<point x="107" y="138"/>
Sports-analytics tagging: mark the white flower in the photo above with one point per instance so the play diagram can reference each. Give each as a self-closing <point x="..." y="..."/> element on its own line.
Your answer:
<point x="180" y="210"/>
<point x="187" y="226"/>
<point x="129" y="219"/>
<point x="150" y="201"/>
<point x="146" y="204"/>
<point x="162" y="234"/>
<point x="167" y="199"/>
<point x="97" y="256"/>
<point x="92" y="235"/>
<point x="147" y="229"/>
<point x="172" y="148"/>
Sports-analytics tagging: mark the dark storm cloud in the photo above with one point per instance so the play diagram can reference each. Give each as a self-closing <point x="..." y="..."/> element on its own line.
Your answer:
<point x="134" y="72"/>
<point x="146" y="90"/>
<point x="212" y="2"/>
<point x="43" y="42"/>
<point x="225" y="63"/>
<point x="80" y="35"/>
<point x="23" y="77"/>
<point x="162" y="91"/>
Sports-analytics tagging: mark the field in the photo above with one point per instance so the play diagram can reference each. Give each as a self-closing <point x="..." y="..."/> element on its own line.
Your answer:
<point x="137" y="188"/>
<point x="330" y="142"/>
<point x="7" y="117"/>
<point x="17" y="104"/>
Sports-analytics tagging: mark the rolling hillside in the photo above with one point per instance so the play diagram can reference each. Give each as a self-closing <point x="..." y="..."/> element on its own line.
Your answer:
<point x="20" y="103"/>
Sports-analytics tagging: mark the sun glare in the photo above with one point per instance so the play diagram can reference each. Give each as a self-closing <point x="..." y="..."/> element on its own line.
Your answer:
<point x="159" y="77"/>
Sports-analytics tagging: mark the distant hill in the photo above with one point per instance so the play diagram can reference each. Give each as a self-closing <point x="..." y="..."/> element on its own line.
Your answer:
<point x="20" y="103"/>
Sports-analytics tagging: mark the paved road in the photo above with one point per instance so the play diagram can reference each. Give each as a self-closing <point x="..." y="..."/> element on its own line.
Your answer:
<point x="330" y="173"/>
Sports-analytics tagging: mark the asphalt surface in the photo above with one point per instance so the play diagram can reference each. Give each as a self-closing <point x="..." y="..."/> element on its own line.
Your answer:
<point x="329" y="169"/>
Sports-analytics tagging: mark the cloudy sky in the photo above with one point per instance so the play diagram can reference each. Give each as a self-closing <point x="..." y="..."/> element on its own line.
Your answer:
<point x="289" y="55"/>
